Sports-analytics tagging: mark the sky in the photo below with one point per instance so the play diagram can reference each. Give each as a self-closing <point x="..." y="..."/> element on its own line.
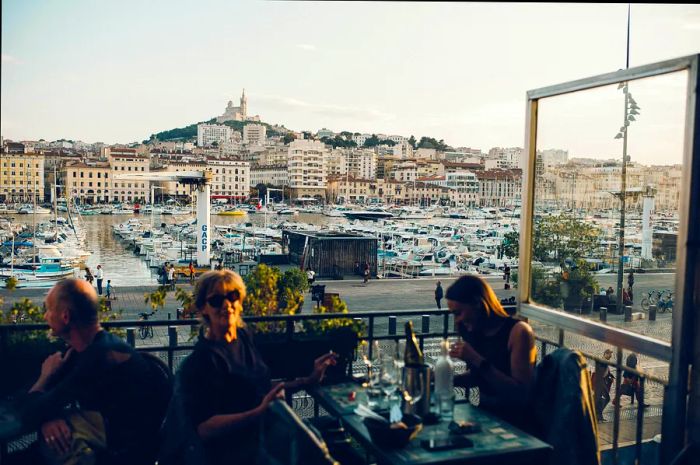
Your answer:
<point x="116" y="72"/>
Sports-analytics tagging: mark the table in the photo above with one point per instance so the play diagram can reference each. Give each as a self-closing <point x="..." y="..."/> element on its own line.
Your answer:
<point x="10" y="427"/>
<point x="498" y="442"/>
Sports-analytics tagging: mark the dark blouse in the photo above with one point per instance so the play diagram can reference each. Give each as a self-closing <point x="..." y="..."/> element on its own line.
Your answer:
<point x="494" y="348"/>
<point x="222" y="378"/>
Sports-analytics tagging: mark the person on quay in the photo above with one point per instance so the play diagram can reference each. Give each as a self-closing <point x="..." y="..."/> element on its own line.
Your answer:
<point x="310" y="276"/>
<point x="602" y="380"/>
<point x="438" y="295"/>
<point x="171" y="276"/>
<point x="630" y="383"/>
<point x="99" y="276"/>
<point x="88" y="275"/>
<point x="100" y="398"/>
<point x="630" y="280"/>
<point x="108" y="289"/>
<point x="224" y="385"/>
<point x="192" y="273"/>
<point x="366" y="273"/>
<point x="499" y="350"/>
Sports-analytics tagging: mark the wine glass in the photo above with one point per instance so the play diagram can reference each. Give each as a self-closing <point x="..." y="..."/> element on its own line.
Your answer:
<point x="398" y="356"/>
<point x="388" y="379"/>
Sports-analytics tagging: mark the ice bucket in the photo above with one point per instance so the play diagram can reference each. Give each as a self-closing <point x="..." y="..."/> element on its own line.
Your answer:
<point x="410" y="376"/>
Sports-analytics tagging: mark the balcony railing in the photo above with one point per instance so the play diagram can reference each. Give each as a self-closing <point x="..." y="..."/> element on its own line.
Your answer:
<point x="431" y="327"/>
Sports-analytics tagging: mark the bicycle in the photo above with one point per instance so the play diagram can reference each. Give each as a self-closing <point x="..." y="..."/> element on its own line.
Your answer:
<point x="666" y="303"/>
<point x="145" y="331"/>
<point x="651" y="299"/>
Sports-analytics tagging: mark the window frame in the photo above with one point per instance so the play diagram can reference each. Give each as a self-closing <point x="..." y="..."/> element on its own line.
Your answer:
<point x="678" y="352"/>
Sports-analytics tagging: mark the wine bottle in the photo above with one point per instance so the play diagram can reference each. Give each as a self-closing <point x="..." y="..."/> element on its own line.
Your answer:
<point x="412" y="354"/>
<point x="444" y="382"/>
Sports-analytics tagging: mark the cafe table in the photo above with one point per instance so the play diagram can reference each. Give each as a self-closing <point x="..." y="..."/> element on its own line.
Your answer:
<point x="497" y="442"/>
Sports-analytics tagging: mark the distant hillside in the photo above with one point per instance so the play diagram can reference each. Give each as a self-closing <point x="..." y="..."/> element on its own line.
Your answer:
<point x="190" y="132"/>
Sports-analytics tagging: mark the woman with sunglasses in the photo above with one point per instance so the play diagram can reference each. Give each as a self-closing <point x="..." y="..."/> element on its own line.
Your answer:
<point x="499" y="350"/>
<point x="224" y="384"/>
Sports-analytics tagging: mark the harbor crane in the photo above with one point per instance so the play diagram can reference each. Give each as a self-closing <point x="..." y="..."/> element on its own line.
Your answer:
<point x="201" y="180"/>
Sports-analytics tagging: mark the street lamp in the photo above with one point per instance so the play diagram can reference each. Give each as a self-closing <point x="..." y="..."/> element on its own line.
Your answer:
<point x="631" y="109"/>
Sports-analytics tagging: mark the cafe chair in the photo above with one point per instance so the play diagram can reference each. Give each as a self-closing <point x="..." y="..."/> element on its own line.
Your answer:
<point x="564" y="410"/>
<point x="286" y="440"/>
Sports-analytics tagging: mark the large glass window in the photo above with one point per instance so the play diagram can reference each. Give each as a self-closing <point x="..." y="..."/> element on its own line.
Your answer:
<point x="605" y="230"/>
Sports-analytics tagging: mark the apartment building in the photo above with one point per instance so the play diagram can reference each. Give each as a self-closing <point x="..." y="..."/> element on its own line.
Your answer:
<point x="88" y="182"/>
<point x="21" y="177"/>
<point x="361" y="163"/>
<point x="274" y="175"/>
<point x="125" y="161"/>
<point x="254" y="134"/>
<point x="306" y="167"/>
<point x="207" y="134"/>
<point x="463" y="186"/>
<point x="231" y="178"/>
<point x="499" y="188"/>
<point x="355" y="190"/>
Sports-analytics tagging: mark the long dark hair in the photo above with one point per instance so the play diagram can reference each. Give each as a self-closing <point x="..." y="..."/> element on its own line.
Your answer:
<point x="475" y="291"/>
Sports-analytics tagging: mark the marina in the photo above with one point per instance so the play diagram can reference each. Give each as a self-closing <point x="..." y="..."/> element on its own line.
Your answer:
<point x="410" y="242"/>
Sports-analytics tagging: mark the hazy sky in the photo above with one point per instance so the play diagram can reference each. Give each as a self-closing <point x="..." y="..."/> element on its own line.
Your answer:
<point x="118" y="71"/>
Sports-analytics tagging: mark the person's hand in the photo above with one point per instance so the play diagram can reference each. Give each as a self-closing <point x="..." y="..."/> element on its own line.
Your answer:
<point x="277" y="392"/>
<point x="52" y="364"/>
<point x="464" y="351"/>
<point x="57" y="435"/>
<point x="320" y="365"/>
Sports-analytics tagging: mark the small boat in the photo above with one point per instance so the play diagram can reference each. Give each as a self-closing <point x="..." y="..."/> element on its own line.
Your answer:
<point x="288" y="211"/>
<point x="235" y="212"/>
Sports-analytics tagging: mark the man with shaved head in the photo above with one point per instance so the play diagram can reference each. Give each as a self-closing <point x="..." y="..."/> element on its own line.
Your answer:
<point x="100" y="396"/>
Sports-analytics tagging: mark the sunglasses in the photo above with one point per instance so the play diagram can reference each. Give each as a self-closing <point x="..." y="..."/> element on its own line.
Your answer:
<point x="217" y="300"/>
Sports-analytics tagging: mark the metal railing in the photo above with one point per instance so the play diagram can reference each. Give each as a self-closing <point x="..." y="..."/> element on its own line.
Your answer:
<point x="433" y="326"/>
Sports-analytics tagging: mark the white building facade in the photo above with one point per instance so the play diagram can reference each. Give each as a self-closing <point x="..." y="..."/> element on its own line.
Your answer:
<point x="207" y="134"/>
<point x="306" y="167"/>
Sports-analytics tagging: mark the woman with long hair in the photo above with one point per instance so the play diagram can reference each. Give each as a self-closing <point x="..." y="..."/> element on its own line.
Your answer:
<point x="499" y="350"/>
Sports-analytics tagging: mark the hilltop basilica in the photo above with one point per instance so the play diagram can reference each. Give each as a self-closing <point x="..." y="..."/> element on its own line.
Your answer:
<point x="239" y="113"/>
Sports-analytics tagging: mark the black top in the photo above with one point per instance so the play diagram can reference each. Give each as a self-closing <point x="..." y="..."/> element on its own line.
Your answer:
<point x="438" y="292"/>
<point x="494" y="349"/>
<point x="220" y="378"/>
<point x="109" y="377"/>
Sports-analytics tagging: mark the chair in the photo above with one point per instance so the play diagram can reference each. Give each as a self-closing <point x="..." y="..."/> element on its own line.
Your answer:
<point x="563" y="408"/>
<point x="286" y="440"/>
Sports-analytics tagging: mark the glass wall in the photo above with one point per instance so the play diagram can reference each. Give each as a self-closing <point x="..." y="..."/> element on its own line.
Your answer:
<point x="603" y="256"/>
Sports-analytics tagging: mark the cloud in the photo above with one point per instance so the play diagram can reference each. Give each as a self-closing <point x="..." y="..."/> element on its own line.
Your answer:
<point x="307" y="47"/>
<point x="9" y="59"/>
<point x="288" y="103"/>
<point x="692" y="26"/>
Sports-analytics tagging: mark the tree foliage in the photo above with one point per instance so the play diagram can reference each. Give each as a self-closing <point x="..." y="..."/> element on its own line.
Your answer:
<point x="558" y="239"/>
<point x="339" y="141"/>
<point x="431" y="143"/>
<point x="289" y="138"/>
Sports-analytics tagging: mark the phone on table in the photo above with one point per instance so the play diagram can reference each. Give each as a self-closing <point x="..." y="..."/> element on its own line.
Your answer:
<point x="446" y="443"/>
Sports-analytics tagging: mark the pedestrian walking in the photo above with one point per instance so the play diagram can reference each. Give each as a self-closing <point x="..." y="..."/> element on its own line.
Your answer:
<point x="438" y="295"/>
<point x="310" y="276"/>
<point x="630" y="383"/>
<point x="366" y="273"/>
<point x="88" y="275"/>
<point x="602" y="381"/>
<point x="108" y="289"/>
<point x="192" y="273"/>
<point x="506" y="276"/>
<point x="99" y="276"/>
<point x="630" y="280"/>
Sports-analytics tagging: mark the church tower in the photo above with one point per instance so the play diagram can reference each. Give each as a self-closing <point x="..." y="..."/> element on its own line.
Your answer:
<point x="244" y="106"/>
